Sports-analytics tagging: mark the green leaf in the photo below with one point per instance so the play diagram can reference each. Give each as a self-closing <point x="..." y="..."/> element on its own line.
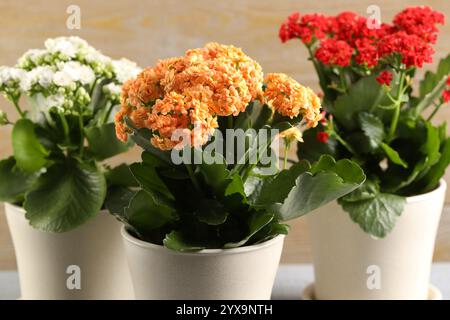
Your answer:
<point x="146" y="212"/>
<point x="103" y="143"/>
<point x="176" y="241"/>
<point x="431" y="79"/>
<point x="438" y="170"/>
<point x="276" y="188"/>
<point x="311" y="149"/>
<point x="29" y="153"/>
<point x="431" y="96"/>
<point x="362" y="96"/>
<point x="376" y="215"/>
<point x="368" y="190"/>
<point x="149" y="179"/>
<point x="326" y="181"/>
<point x="393" y="155"/>
<point x="117" y="199"/>
<point x="121" y="176"/>
<point x="211" y="212"/>
<point x="373" y="128"/>
<point x="66" y="196"/>
<point x="236" y="186"/>
<point x="256" y="223"/>
<point x="14" y="183"/>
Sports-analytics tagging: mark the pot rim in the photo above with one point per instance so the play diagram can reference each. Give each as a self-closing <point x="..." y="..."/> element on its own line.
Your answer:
<point x="205" y="252"/>
<point x="427" y="196"/>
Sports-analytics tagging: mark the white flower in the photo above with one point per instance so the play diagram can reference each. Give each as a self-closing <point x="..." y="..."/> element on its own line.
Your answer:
<point x="125" y="69"/>
<point x="57" y="100"/>
<point x="68" y="47"/>
<point x="32" y="56"/>
<point x="63" y="79"/>
<point x="71" y="72"/>
<point x="11" y="76"/>
<point x="42" y="75"/>
<point x="112" y="89"/>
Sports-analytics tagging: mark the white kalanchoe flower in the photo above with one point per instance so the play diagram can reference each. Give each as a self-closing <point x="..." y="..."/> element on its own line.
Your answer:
<point x="57" y="101"/>
<point x="125" y="69"/>
<point x="32" y="58"/>
<point x="71" y="72"/>
<point x="11" y="76"/>
<point x="112" y="89"/>
<point x="65" y="48"/>
<point x="42" y="75"/>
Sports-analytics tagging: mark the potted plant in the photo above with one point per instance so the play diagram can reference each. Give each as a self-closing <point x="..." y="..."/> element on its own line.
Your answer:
<point x="377" y="242"/>
<point x="207" y="221"/>
<point x="54" y="184"/>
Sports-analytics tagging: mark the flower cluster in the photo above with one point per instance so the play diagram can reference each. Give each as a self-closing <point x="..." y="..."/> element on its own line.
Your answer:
<point x="289" y="98"/>
<point x="385" y="78"/>
<point x="334" y="52"/>
<point x="349" y="37"/>
<point x="184" y="96"/>
<point x="64" y="73"/>
<point x="307" y="27"/>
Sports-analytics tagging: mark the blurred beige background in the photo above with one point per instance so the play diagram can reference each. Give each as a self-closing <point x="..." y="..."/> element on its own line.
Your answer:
<point x="144" y="31"/>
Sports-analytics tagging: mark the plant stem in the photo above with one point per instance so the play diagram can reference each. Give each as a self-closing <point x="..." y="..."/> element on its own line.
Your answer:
<point x="230" y="122"/>
<point x="81" y="125"/>
<point x="64" y="125"/>
<point x="396" y="115"/>
<point x="436" y="109"/>
<point x="19" y="110"/>
<point x="192" y="177"/>
<point x="286" y="151"/>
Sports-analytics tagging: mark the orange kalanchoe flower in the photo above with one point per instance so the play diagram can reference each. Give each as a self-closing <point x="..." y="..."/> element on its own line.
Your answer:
<point x="188" y="94"/>
<point x="290" y="99"/>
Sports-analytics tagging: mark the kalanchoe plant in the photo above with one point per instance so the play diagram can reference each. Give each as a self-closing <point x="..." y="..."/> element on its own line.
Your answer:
<point x="183" y="107"/>
<point x="71" y="90"/>
<point x="366" y="70"/>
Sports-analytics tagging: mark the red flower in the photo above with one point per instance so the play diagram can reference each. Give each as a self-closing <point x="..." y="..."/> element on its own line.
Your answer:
<point x="420" y="21"/>
<point x="367" y="53"/>
<point x="335" y="52"/>
<point x="322" y="137"/>
<point x="448" y="81"/>
<point x="348" y="26"/>
<point x="385" y="77"/>
<point x="413" y="50"/>
<point x="446" y="95"/>
<point x="306" y="27"/>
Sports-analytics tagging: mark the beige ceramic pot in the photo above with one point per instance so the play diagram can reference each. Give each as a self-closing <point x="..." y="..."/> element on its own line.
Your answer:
<point x="350" y="264"/>
<point x="229" y="274"/>
<point x="86" y="263"/>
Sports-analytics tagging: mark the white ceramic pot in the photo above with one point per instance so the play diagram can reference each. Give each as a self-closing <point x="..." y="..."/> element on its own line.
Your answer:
<point x="246" y="273"/>
<point x="86" y="263"/>
<point x="350" y="264"/>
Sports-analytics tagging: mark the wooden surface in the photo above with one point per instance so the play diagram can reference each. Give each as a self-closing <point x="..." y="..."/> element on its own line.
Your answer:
<point x="147" y="30"/>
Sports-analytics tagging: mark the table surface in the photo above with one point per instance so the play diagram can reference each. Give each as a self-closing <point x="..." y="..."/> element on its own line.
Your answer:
<point x="289" y="284"/>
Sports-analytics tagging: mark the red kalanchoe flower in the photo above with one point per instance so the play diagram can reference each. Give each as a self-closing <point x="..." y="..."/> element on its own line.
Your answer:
<point x="305" y="27"/>
<point x="335" y="52"/>
<point x="367" y="53"/>
<point x="448" y="81"/>
<point x="413" y="50"/>
<point x="322" y="137"/>
<point x="348" y="26"/>
<point x="290" y="28"/>
<point x="385" y="77"/>
<point x="446" y="95"/>
<point x="420" y="21"/>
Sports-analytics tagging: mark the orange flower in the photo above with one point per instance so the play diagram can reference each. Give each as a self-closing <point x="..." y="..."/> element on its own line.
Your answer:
<point x="287" y="97"/>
